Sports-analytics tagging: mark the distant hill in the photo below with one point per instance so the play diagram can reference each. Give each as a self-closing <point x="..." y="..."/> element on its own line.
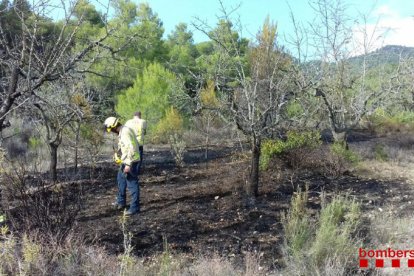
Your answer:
<point x="388" y="54"/>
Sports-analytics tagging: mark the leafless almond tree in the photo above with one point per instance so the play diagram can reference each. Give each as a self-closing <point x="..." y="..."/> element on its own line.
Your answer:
<point x="56" y="106"/>
<point x="403" y="85"/>
<point x="328" y="49"/>
<point x="35" y="50"/>
<point x="260" y="89"/>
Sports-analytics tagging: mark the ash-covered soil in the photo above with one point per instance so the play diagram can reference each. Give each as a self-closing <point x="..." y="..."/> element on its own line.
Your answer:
<point x="200" y="208"/>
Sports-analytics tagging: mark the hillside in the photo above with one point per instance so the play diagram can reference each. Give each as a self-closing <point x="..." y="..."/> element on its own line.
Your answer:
<point x="390" y="54"/>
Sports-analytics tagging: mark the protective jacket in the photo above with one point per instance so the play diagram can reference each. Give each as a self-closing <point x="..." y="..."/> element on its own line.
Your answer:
<point x="128" y="146"/>
<point x="139" y="126"/>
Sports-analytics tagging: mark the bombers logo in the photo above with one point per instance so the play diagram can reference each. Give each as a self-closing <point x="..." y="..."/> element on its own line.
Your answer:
<point x="385" y="258"/>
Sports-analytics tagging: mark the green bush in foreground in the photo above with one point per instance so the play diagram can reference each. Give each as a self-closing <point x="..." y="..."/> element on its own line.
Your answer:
<point x="297" y="225"/>
<point x="325" y="244"/>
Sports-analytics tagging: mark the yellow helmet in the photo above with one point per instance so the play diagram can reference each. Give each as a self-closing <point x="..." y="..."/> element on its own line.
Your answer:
<point x="110" y="123"/>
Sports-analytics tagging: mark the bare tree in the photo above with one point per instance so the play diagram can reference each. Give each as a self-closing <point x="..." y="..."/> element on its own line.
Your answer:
<point x="35" y="51"/>
<point x="58" y="105"/>
<point x="402" y="84"/>
<point x="341" y="80"/>
<point x="255" y="97"/>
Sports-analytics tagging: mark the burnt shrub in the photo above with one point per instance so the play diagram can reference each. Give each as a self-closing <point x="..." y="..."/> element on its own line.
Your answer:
<point x="33" y="203"/>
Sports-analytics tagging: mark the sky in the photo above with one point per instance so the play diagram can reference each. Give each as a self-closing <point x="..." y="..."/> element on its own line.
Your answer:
<point x="396" y="16"/>
<point x="393" y="20"/>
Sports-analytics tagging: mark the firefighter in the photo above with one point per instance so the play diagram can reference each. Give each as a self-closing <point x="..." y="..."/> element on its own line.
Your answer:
<point x="128" y="158"/>
<point x="139" y="126"/>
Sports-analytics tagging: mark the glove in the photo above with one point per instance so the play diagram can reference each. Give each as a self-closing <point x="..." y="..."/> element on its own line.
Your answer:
<point x="116" y="159"/>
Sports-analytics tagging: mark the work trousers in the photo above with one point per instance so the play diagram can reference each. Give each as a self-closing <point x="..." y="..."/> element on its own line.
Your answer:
<point x="129" y="180"/>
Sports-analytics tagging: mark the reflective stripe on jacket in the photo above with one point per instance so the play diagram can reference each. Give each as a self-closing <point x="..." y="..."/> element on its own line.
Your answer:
<point x="128" y="145"/>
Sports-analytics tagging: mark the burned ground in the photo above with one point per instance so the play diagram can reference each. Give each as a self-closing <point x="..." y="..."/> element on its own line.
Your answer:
<point x="199" y="209"/>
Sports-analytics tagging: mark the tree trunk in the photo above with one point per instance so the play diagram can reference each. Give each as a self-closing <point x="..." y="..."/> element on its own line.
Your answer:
<point x="53" y="161"/>
<point x="252" y="186"/>
<point x="8" y="101"/>
<point x="341" y="137"/>
<point x="207" y="138"/>
<point x="77" y="147"/>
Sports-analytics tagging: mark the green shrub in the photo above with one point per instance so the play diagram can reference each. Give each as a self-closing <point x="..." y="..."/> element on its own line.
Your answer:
<point x="295" y="140"/>
<point x="328" y="238"/>
<point x="337" y="222"/>
<point x="150" y="93"/>
<point x="170" y="125"/>
<point x="340" y="150"/>
<point x="382" y="121"/>
<point x="208" y="96"/>
<point x="34" y="143"/>
<point x="294" y="109"/>
<point x="296" y="224"/>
